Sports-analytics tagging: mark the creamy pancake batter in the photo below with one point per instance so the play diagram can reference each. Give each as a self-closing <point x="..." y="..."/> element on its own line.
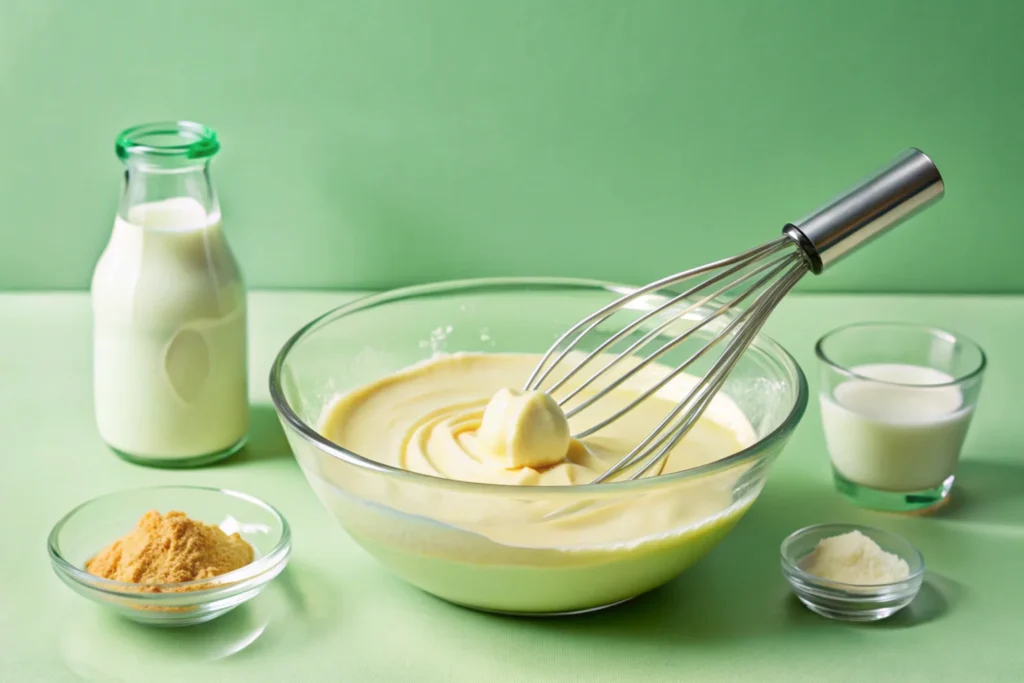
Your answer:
<point x="460" y="417"/>
<point x="456" y="417"/>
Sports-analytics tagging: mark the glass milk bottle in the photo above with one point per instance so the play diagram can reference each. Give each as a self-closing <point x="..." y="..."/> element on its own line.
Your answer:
<point x="169" y="319"/>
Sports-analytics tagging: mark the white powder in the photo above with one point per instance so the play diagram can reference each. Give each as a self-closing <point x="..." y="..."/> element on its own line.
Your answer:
<point x="855" y="559"/>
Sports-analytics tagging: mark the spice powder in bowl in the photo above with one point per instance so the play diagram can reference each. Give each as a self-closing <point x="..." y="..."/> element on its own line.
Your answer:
<point x="170" y="548"/>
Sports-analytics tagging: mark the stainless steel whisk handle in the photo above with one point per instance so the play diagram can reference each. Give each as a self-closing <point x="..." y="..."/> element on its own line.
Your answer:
<point x="908" y="184"/>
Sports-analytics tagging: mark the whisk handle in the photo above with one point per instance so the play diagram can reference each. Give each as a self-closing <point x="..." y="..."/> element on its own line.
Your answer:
<point x="908" y="184"/>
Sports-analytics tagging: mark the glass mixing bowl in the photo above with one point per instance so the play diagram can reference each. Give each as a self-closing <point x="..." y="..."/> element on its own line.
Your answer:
<point x="519" y="549"/>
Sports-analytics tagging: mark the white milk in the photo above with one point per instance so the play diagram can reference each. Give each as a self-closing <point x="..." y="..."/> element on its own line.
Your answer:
<point x="892" y="436"/>
<point x="169" y="335"/>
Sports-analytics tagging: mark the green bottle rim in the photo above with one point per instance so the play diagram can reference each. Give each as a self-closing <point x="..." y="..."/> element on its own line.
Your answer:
<point x="180" y="139"/>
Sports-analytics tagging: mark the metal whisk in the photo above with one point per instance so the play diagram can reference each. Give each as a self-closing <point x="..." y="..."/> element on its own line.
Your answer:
<point x="761" y="276"/>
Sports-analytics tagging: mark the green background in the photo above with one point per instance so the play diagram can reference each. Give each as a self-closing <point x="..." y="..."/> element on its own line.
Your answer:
<point x="371" y="144"/>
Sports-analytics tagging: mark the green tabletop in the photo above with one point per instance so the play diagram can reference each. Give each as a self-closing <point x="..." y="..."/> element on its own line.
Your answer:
<point x="335" y="615"/>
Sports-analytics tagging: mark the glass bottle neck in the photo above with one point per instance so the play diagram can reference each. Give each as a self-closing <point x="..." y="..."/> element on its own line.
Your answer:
<point x="148" y="187"/>
<point x="167" y="175"/>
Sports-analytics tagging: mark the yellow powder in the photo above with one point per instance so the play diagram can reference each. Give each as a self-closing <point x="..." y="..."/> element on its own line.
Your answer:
<point x="170" y="549"/>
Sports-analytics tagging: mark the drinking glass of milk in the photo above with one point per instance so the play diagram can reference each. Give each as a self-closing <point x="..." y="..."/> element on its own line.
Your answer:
<point x="896" y="401"/>
<point x="169" y="316"/>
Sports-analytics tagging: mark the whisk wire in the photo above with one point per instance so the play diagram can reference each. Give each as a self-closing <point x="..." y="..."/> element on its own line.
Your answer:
<point x="696" y="401"/>
<point x="676" y="315"/>
<point x="542" y="370"/>
<point x="656" y="331"/>
<point x="779" y="264"/>
<point x="734" y="351"/>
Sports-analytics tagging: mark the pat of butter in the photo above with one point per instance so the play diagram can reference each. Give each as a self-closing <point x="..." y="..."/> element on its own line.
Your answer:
<point x="524" y="429"/>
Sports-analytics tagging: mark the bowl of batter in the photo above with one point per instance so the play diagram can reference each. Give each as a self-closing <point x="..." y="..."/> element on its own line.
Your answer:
<point x="405" y="413"/>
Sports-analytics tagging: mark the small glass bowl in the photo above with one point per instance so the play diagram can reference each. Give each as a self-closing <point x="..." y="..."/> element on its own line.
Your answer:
<point x="843" y="601"/>
<point x="91" y="526"/>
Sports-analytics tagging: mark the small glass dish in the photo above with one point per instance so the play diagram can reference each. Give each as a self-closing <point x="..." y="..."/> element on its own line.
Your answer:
<point x="91" y="526"/>
<point x="844" y="601"/>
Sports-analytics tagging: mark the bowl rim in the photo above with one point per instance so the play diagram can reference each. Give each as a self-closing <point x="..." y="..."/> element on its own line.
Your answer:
<point x="312" y="436"/>
<point x="792" y="568"/>
<point x="240" y="578"/>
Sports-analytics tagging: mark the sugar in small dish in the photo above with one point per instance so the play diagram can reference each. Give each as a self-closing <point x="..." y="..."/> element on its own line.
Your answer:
<point x="855" y="559"/>
<point x="850" y="572"/>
